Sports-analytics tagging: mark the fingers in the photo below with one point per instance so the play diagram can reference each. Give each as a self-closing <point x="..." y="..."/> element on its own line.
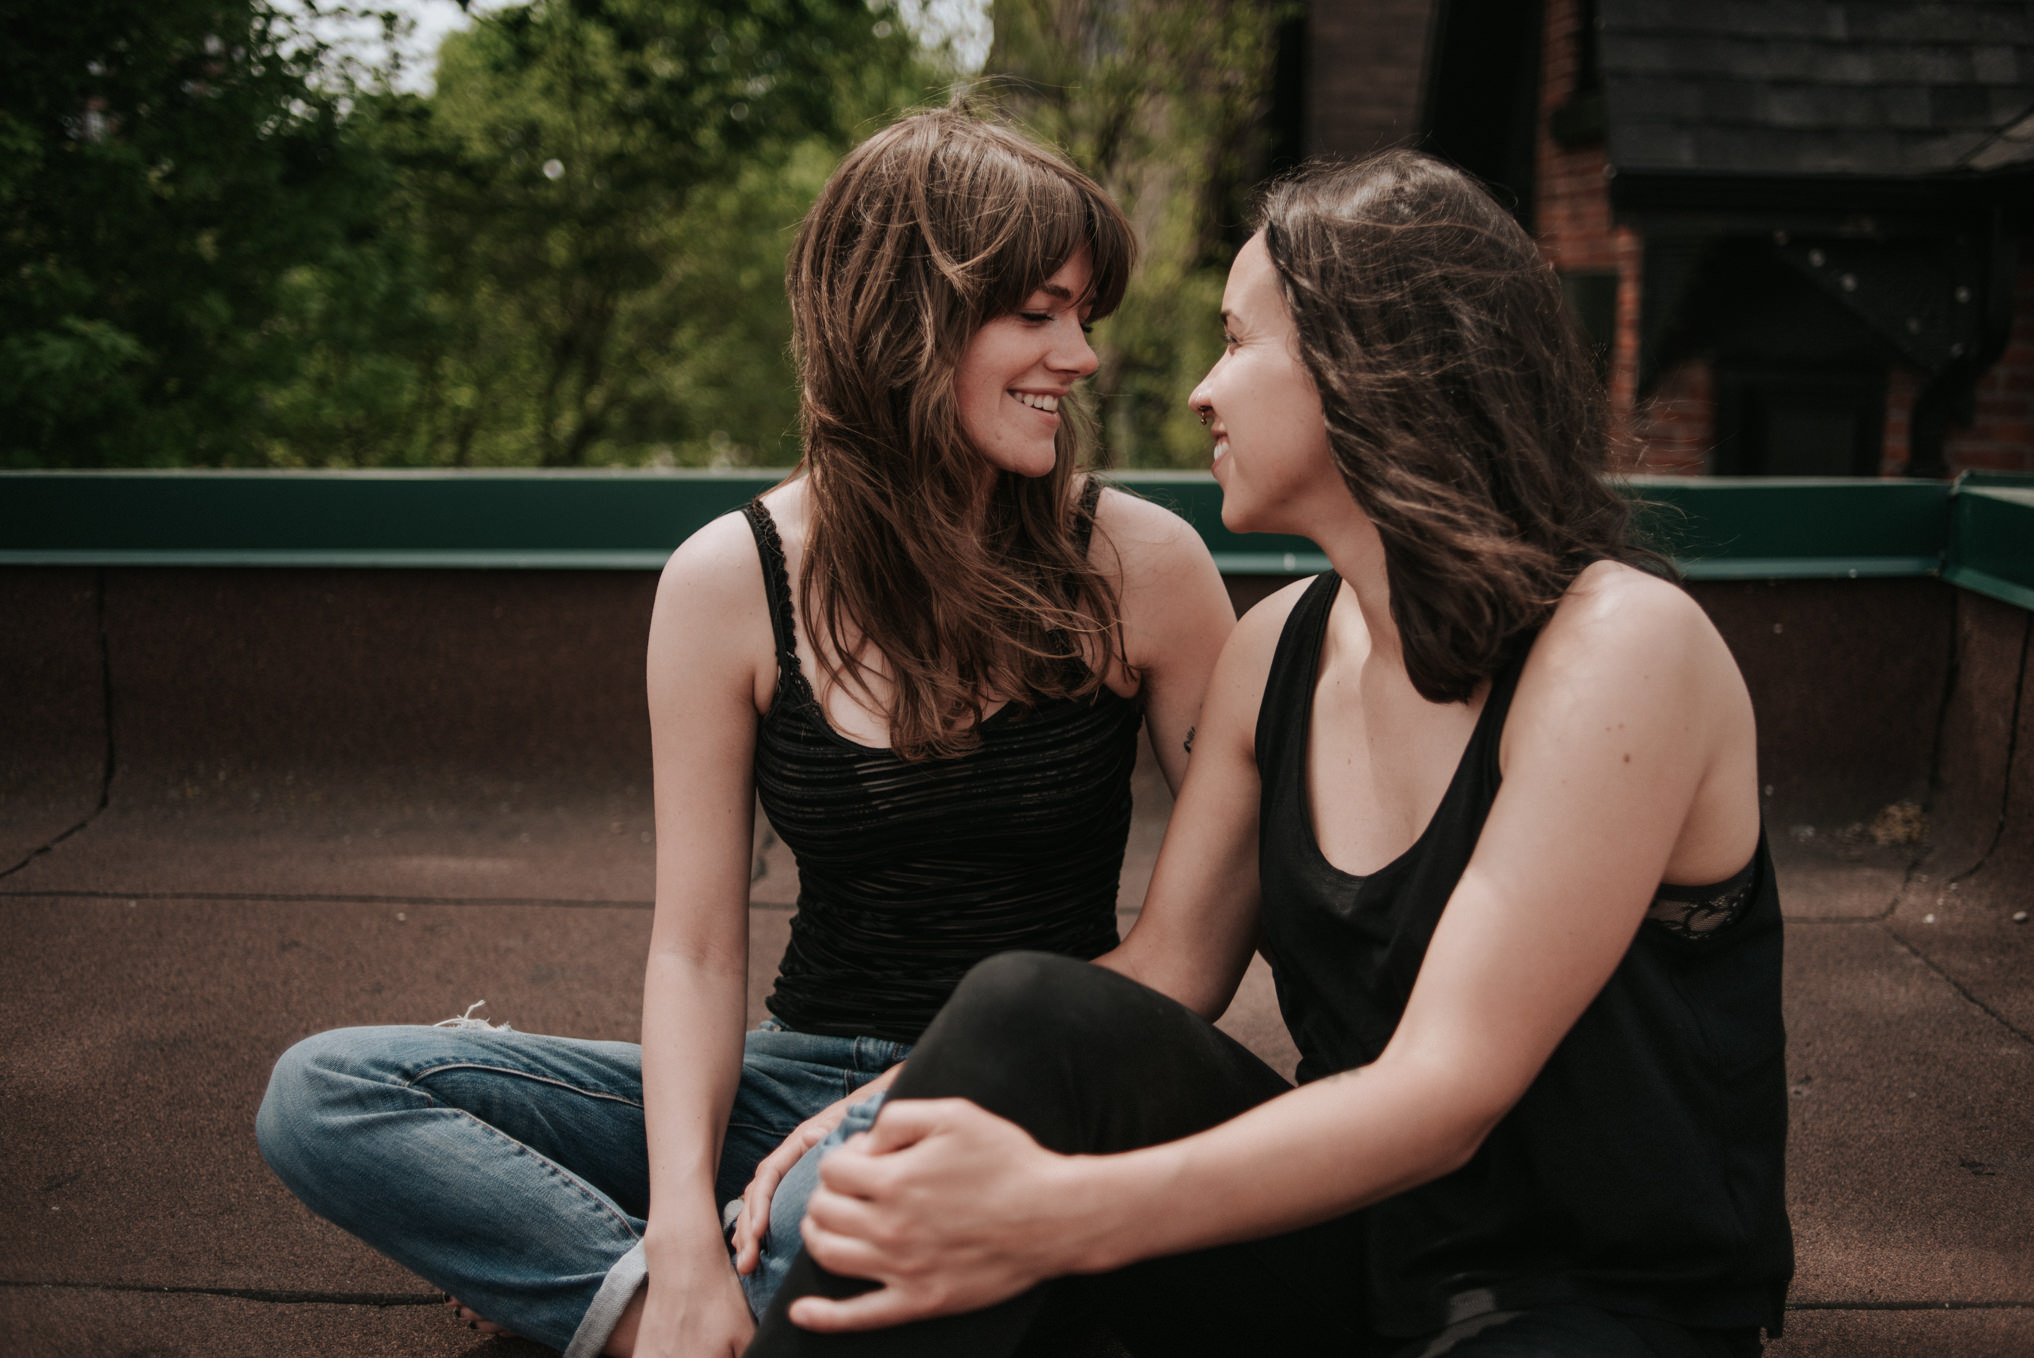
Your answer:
<point x="752" y="1227"/>
<point x="853" y="1172"/>
<point x="837" y="1214"/>
<point x="845" y="1253"/>
<point x="869" y="1311"/>
<point x="904" y="1122"/>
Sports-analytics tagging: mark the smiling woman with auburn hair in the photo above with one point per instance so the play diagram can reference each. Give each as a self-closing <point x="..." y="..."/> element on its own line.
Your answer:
<point x="928" y="655"/>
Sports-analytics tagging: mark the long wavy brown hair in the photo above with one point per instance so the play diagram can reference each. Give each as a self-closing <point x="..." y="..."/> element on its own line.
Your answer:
<point x="1463" y="411"/>
<point x="932" y="227"/>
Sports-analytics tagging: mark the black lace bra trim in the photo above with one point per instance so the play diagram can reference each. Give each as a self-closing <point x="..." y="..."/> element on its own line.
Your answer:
<point x="1698" y="912"/>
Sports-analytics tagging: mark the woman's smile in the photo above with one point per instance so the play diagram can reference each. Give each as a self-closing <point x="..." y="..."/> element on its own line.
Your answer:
<point x="1017" y="368"/>
<point x="1260" y="405"/>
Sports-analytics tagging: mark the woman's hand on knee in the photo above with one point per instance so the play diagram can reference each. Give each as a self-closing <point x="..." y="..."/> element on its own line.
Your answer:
<point x="752" y="1227"/>
<point x="949" y="1207"/>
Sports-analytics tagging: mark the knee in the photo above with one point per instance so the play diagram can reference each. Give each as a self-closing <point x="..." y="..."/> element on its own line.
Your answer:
<point x="1012" y="1020"/>
<point x="1023" y="995"/>
<point x="305" y="1098"/>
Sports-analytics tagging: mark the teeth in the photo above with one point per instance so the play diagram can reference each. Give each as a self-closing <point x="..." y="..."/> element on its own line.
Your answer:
<point x="1049" y="404"/>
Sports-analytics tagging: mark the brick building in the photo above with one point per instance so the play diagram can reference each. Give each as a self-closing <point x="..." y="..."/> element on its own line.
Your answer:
<point x="1793" y="226"/>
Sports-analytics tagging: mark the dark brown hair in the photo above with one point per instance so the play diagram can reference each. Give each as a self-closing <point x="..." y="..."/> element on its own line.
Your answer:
<point x="932" y="227"/>
<point x="1463" y="411"/>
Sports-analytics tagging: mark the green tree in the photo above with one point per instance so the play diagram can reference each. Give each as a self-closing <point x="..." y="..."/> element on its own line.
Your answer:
<point x="1164" y="105"/>
<point x="601" y="191"/>
<point x="224" y="244"/>
<point x="164" y="166"/>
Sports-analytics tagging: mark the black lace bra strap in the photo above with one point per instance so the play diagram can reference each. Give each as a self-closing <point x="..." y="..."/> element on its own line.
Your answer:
<point x="1084" y="514"/>
<point x="777" y="588"/>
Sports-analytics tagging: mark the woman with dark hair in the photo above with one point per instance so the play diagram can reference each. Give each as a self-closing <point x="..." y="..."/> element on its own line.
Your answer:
<point x="1484" y="795"/>
<point x="928" y="654"/>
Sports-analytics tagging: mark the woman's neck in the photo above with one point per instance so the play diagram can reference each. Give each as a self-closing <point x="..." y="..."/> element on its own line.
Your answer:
<point x="1357" y="553"/>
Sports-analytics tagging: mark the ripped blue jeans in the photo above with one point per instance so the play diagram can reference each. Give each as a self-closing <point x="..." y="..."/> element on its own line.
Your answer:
<point x="510" y="1169"/>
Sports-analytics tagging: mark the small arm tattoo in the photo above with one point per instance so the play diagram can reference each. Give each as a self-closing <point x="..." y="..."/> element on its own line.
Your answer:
<point x="1190" y="738"/>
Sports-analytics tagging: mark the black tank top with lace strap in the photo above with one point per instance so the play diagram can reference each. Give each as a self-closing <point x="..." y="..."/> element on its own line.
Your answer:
<point x="910" y="872"/>
<point x="1642" y="1172"/>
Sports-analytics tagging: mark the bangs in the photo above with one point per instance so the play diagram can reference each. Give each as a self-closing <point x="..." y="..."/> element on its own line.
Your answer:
<point x="1035" y="215"/>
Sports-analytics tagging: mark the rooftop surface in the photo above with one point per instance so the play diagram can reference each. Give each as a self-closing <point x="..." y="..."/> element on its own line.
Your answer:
<point x="156" y="966"/>
<point x="242" y="805"/>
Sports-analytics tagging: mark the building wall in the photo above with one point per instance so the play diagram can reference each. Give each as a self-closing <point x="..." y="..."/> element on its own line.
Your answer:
<point x="1673" y="428"/>
<point x="2002" y="437"/>
<point x="1670" y="431"/>
<point x="1365" y="59"/>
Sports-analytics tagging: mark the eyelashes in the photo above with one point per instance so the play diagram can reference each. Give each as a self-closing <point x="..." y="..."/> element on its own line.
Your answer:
<point x="1045" y="318"/>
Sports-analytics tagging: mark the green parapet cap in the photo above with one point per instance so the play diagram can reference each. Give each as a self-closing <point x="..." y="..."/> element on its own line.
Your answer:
<point x="527" y="520"/>
<point x="1977" y="532"/>
<point x="1769" y="527"/>
<point x="1991" y="537"/>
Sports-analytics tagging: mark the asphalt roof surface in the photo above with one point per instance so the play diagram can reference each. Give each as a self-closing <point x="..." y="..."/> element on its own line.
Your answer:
<point x="158" y="960"/>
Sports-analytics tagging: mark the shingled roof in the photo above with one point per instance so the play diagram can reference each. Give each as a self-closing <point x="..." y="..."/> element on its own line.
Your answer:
<point x="1879" y="88"/>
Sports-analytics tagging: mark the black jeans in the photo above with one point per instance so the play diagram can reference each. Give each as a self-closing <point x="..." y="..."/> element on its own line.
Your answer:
<point x="1089" y="1062"/>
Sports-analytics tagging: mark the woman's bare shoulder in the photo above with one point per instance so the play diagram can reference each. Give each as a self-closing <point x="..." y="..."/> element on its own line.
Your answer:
<point x="712" y="613"/>
<point x="1621" y="636"/>
<point x="1147" y="537"/>
<point x="722" y="561"/>
<point x="1267" y="616"/>
<point x="1174" y="607"/>
<point x="1617" y="613"/>
<point x="719" y="559"/>
<point x="1255" y="640"/>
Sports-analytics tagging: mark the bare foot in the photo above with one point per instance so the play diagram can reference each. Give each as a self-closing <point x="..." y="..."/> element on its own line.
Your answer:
<point x="476" y="1321"/>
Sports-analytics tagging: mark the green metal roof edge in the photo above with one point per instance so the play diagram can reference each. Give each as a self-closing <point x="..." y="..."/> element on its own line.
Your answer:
<point x="1991" y="586"/>
<point x="1810" y="567"/>
<point x="1991" y="540"/>
<point x="1271" y="563"/>
<point x="1728" y="528"/>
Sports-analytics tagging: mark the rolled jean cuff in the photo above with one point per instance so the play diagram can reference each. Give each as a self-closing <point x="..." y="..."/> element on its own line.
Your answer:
<point x="617" y="1290"/>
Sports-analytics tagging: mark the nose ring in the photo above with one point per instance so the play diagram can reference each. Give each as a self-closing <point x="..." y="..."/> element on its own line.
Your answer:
<point x="1204" y="417"/>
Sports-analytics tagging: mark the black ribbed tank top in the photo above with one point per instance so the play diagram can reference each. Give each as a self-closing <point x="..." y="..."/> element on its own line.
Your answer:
<point x="910" y="872"/>
<point x="1643" y="1170"/>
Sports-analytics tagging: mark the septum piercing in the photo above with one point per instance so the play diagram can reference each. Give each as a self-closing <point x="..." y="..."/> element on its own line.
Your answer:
<point x="1204" y="413"/>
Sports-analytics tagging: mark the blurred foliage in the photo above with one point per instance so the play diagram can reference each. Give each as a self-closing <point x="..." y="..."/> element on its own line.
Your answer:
<point x="225" y="241"/>
<point x="1164" y="104"/>
<point x="224" y="245"/>
<point x="164" y="164"/>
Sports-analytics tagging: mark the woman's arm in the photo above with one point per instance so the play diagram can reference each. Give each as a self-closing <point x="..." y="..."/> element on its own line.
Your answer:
<point x="1194" y="937"/>
<point x="703" y="676"/>
<point x="1628" y="704"/>
<point x="1176" y="615"/>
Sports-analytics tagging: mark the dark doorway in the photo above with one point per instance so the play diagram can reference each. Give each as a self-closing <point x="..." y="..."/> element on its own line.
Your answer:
<point x="1775" y="422"/>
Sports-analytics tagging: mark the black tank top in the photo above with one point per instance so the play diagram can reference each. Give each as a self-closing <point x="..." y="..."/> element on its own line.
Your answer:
<point x="1643" y="1170"/>
<point x="910" y="872"/>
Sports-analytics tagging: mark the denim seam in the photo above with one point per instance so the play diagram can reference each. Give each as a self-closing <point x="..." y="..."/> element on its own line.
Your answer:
<point x="410" y="1080"/>
<point x="598" y="1199"/>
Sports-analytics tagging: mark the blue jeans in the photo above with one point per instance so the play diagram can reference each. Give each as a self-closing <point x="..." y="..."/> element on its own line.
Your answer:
<point x="510" y="1169"/>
